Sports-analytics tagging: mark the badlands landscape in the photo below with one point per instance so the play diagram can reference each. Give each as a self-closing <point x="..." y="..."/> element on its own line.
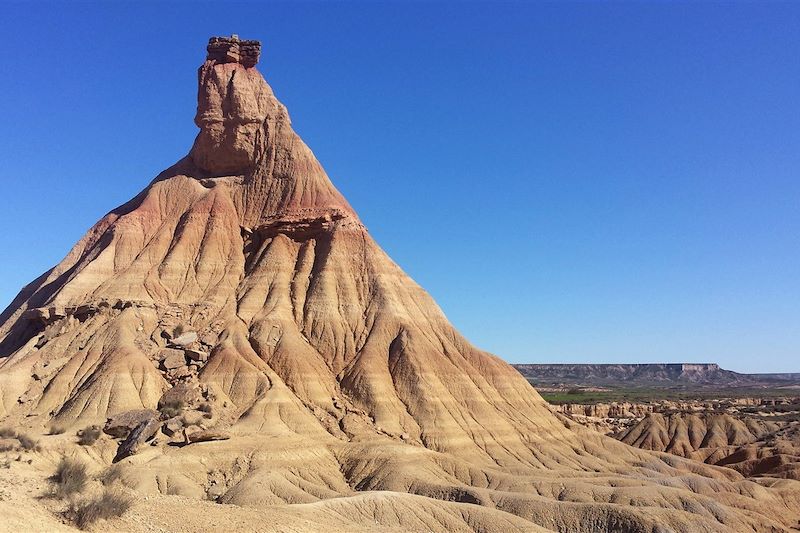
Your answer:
<point x="747" y="422"/>
<point x="231" y="350"/>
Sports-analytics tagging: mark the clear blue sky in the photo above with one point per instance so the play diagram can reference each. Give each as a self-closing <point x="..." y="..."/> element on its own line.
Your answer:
<point x="572" y="182"/>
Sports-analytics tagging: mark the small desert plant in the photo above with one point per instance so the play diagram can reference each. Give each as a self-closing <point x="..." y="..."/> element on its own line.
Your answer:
<point x="205" y="407"/>
<point x="172" y="408"/>
<point x="27" y="442"/>
<point x="57" y="429"/>
<point x="178" y="331"/>
<point x="88" y="436"/>
<point x="111" y="474"/>
<point x="7" y="446"/>
<point x="7" y="433"/>
<point x="110" y="504"/>
<point x="70" y="477"/>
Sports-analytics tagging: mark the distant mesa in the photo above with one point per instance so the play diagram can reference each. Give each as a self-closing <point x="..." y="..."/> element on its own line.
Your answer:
<point x="696" y="374"/>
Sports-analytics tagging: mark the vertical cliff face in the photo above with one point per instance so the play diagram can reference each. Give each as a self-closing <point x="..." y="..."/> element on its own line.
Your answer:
<point x="303" y="333"/>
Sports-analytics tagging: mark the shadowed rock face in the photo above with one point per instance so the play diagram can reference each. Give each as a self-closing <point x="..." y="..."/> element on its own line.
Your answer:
<point x="233" y="103"/>
<point x="333" y="371"/>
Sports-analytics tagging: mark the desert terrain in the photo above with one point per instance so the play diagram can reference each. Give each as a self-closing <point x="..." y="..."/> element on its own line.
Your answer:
<point x="231" y="350"/>
<point x="747" y="422"/>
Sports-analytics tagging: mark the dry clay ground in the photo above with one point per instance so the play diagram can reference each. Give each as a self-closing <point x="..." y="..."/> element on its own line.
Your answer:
<point x="163" y="501"/>
<point x="27" y="502"/>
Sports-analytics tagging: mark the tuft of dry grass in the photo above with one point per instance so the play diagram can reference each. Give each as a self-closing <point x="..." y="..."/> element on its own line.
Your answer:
<point x="110" y="504"/>
<point x="27" y="442"/>
<point x="172" y="408"/>
<point x="70" y="478"/>
<point x="7" y="446"/>
<point x="88" y="436"/>
<point x="112" y="474"/>
<point x="7" y="433"/>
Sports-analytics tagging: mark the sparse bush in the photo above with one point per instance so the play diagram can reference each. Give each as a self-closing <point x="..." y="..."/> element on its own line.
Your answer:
<point x="110" y="505"/>
<point x="172" y="408"/>
<point x="7" y="446"/>
<point x="88" y="436"/>
<point x="7" y="433"/>
<point x="178" y="331"/>
<point x="111" y="474"/>
<point x="57" y="429"/>
<point x="70" y="477"/>
<point x="205" y="407"/>
<point x="27" y="442"/>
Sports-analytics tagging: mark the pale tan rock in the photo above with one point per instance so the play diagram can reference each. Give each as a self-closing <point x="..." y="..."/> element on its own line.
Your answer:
<point x="185" y="339"/>
<point x="206" y="435"/>
<point x="172" y="426"/>
<point x="173" y="361"/>
<point x="181" y="394"/>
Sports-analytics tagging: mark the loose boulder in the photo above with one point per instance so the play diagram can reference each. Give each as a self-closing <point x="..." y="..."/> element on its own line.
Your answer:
<point x="120" y="425"/>
<point x="185" y="339"/>
<point x="206" y="435"/>
<point x="182" y="394"/>
<point x="137" y="438"/>
<point x="174" y="360"/>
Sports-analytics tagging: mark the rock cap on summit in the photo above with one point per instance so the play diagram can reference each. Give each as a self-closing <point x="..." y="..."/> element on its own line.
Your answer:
<point x="233" y="50"/>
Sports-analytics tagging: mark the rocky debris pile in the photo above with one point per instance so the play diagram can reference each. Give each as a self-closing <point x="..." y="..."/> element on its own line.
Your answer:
<point x="186" y="415"/>
<point x="183" y="358"/>
<point x="233" y="50"/>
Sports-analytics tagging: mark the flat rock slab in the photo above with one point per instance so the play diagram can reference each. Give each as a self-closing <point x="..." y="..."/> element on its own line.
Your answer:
<point x="206" y="435"/>
<point x="185" y="339"/>
<point x="163" y="353"/>
<point x="137" y="438"/>
<point x="182" y="394"/>
<point x="120" y="425"/>
<point x="174" y="360"/>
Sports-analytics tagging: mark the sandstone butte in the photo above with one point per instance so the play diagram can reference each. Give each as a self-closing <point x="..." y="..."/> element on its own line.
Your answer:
<point x="351" y="403"/>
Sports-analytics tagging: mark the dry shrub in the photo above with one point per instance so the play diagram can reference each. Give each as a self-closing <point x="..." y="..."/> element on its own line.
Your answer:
<point x="171" y="409"/>
<point x="112" y="474"/>
<point x="7" y="446"/>
<point x="110" y="505"/>
<point x="70" y="478"/>
<point x="178" y="331"/>
<point x="205" y="407"/>
<point x="27" y="442"/>
<point x="7" y="433"/>
<point x="88" y="436"/>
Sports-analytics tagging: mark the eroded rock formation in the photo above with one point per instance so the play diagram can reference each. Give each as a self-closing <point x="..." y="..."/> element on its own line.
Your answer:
<point x="331" y="371"/>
